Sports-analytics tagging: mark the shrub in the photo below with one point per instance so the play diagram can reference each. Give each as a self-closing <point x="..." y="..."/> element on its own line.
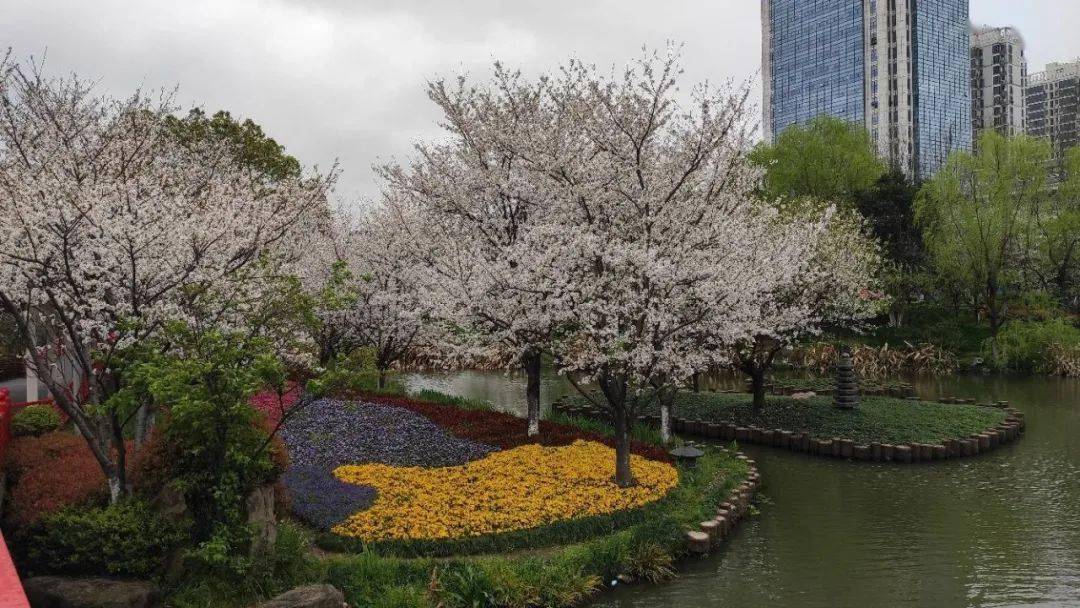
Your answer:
<point x="124" y="539"/>
<point x="290" y="565"/>
<point x="53" y="471"/>
<point x="35" y="420"/>
<point x="1029" y="346"/>
<point x="218" y="447"/>
<point x="876" y="362"/>
<point x="1064" y="360"/>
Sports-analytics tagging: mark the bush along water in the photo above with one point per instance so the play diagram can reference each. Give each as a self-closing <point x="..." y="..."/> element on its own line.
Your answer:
<point x="1046" y="347"/>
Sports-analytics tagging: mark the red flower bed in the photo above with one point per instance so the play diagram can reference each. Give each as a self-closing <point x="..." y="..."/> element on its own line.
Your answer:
<point x="505" y="430"/>
<point x="274" y="408"/>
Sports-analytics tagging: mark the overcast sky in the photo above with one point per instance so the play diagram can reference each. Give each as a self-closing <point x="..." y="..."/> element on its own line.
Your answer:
<point x="344" y="79"/>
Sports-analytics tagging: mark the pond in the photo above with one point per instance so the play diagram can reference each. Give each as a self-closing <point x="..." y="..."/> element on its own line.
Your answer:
<point x="1002" y="529"/>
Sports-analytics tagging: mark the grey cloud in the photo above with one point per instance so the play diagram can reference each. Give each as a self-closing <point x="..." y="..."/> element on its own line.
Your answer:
<point x="344" y="79"/>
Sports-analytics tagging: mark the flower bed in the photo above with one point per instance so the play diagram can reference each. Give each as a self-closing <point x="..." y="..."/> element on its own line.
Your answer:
<point x="395" y="448"/>
<point x="506" y="431"/>
<point x="520" y="488"/>
<point x="330" y="433"/>
<point x="641" y="546"/>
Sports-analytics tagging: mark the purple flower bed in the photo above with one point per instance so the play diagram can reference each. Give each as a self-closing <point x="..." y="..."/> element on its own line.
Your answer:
<point x="323" y="500"/>
<point x="331" y="433"/>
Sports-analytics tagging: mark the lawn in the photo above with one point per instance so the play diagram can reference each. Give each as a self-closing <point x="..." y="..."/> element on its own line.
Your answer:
<point x="877" y="419"/>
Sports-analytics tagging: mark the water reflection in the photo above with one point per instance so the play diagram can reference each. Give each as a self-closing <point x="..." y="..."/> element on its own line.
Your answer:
<point x="1002" y="529"/>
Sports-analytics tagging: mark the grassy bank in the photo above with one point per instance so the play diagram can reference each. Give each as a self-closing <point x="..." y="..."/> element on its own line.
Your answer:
<point x="878" y="419"/>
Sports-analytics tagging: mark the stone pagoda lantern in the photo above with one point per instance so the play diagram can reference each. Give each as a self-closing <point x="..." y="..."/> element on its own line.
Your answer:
<point x="847" y="383"/>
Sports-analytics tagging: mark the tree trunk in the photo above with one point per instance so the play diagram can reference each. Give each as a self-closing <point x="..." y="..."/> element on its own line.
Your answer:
<point x="695" y="382"/>
<point x="142" y="425"/>
<point x="532" y="364"/>
<point x="614" y="389"/>
<point x="757" y="380"/>
<point x="665" y="421"/>
<point x="382" y="378"/>
<point x="624" y="476"/>
<point x="118" y="480"/>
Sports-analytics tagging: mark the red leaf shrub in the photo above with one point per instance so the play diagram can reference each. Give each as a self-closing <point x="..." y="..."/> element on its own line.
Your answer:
<point x="52" y="471"/>
<point x="148" y="467"/>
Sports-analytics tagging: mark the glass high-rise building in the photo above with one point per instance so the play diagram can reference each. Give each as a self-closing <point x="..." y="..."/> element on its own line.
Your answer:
<point x="902" y="68"/>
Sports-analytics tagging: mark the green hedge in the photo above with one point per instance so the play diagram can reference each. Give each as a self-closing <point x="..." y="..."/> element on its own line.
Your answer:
<point x="125" y="539"/>
<point x="35" y="420"/>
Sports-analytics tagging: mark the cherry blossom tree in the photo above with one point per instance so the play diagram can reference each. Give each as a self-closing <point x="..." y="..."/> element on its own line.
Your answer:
<point x="479" y="199"/>
<point x="387" y="311"/>
<point x="110" y="228"/>
<point x="655" y="235"/>
<point x="835" y="285"/>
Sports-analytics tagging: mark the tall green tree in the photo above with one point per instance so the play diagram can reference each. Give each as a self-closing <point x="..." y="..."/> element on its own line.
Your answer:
<point x="1055" y="266"/>
<point x="979" y="215"/>
<point x="826" y="159"/>
<point x="250" y="145"/>
<point x="889" y="209"/>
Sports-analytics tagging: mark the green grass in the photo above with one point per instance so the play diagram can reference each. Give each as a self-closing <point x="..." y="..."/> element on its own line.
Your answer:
<point x="867" y="386"/>
<point x="877" y="419"/>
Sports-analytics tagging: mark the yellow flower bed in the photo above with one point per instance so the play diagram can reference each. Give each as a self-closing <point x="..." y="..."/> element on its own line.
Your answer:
<point x="516" y="489"/>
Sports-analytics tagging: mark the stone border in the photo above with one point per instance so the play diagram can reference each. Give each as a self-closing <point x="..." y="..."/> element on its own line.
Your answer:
<point x="837" y="447"/>
<point x="710" y="533"/>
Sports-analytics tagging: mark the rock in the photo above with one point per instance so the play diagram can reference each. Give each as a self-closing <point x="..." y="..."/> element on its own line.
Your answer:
<point x="312" y="596"/>
<point x="262" y="519"/>
<point x="803" y="396"/>
<point x="170" y="504"/>
<point x="64" y="592"/>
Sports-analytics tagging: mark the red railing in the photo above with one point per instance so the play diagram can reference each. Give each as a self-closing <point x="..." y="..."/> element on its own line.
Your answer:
<point x="7" y="410"/>
<point x="11" y="590"/>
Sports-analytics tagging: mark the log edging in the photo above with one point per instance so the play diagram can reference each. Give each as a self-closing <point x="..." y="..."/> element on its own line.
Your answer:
<point x="989" y="439"/>
<point x="710" y="533"/>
